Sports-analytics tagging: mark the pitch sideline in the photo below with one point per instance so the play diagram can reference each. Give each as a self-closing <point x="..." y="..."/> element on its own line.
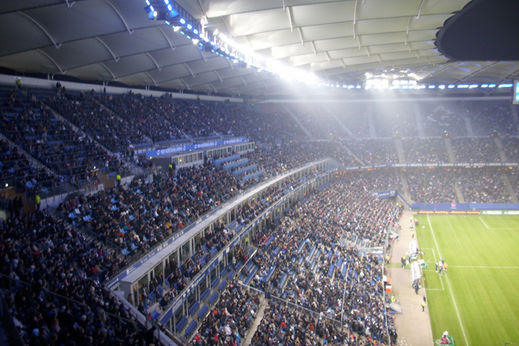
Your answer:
<point x="449" y="285"/>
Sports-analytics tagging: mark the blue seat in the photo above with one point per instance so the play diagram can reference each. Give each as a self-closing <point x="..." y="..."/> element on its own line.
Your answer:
<point x="222" y="285"/>
<point x="205" y="294"/>
<point x="181" y="324"/>
<point x="230" y="274"/>
<point x="203" y="311"/>
<point x="215" y="282"/>
<point x="330" y="270"/>
<point x="191" y="328"/>
<point x="267" y="277"/>
<point x="213" y="298"/>
<point x="194" y="308"/>
<point x="283" y="279"/>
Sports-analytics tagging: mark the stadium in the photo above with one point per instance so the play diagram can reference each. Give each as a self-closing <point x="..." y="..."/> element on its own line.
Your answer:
<point x="237" y="172"/>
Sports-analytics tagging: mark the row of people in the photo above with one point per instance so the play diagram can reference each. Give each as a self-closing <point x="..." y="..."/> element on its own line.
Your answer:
<point x="228" y="322"/>
<point x="211" y="242"/>
<point x="55" y="296"/>
<point x="312" y="258"/>
<point x="73" y="158"/>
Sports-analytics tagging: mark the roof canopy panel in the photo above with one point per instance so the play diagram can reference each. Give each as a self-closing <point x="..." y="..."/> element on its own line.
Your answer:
<point x="339" y="40"/>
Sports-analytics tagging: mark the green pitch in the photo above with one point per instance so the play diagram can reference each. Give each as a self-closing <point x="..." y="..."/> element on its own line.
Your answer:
<point x="477" y="301"/>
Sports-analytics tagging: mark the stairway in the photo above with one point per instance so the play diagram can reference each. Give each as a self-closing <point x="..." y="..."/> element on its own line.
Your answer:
<point x="500" y="150"/>
<point x="77" y="129"/>
<point x="400" y="150"/>
<point x="405" y="187"/>
<point x="305" y="130"/>
<point x="419" y="120"/>
<point x="256" y="322"/>
<point x="345" y="147"/>
<point x="468" y="126"/>
<point x="341" y="124"/>
<point x="509" y="188"/>
<point x="29" y="157"/>
<point x="450" y="150"/>
<point x="459" y="194"/>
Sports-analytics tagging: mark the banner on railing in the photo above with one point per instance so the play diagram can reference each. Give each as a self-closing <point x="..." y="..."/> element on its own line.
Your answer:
<point x="195" y="146"/>
<point x="386" y="194"/>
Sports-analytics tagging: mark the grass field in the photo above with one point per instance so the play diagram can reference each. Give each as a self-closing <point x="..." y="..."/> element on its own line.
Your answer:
<point x="477" y="301"/>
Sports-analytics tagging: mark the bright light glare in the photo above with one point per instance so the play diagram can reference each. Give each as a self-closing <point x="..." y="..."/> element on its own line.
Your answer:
<point x="505" y="85"/>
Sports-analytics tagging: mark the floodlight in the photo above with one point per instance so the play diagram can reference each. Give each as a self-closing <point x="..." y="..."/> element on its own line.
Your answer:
<point x="189" y="26"/>
<point x="473" y="86"/>
<point x="451" y="86"/>
<point x="491" y="85"/>
<point x="463" y="86"/>
<point x="182" y="21"/>
<point x="505" y="85"/>
<point x="484" y="85"/>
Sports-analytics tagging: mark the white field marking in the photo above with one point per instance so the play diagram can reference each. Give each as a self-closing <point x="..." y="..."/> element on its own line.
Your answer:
<point x="449" y="284"/>
<point x="484" y="223"/>
<point x="436" y="261"/>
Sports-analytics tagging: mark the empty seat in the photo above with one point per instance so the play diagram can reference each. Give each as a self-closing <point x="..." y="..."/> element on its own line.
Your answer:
<point x="203" y="311"/>
<point x="205" y="294"/>
<point x="194" y="308"/>
<point x="213" y="298"/>
<point x="181" y="324"/>
<point x="191" y="328"/>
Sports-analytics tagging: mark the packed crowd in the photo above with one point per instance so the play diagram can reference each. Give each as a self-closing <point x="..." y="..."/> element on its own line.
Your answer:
<point x="312" y="259"/>
<point x="442" y="119"/>
<point x="108" y="128"/>
<point x="374" y="152"/>
<point x="75" y="158"/>
<point x="483" y="185"/>
<point x="432" y="185"/>
<point x="354" y="117"/>
<point x="134" y="218"/>
<point x="16" y="171"/>
<point x="211" y="242"/>
<point x="427" y="150"/>
<point x="511" y="149"/>
<point x="394" y="119"/>
<point x="475" y="150"/>
<point x="321" y="123"/>
<point x="228" y="322"/>
<point x="152" y="115"/>
<point x="490" y="117"/>
<point x="55" y="296"/>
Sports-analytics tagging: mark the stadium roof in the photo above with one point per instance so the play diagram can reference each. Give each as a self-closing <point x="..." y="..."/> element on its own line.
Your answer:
<point x="113" y="40"/>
